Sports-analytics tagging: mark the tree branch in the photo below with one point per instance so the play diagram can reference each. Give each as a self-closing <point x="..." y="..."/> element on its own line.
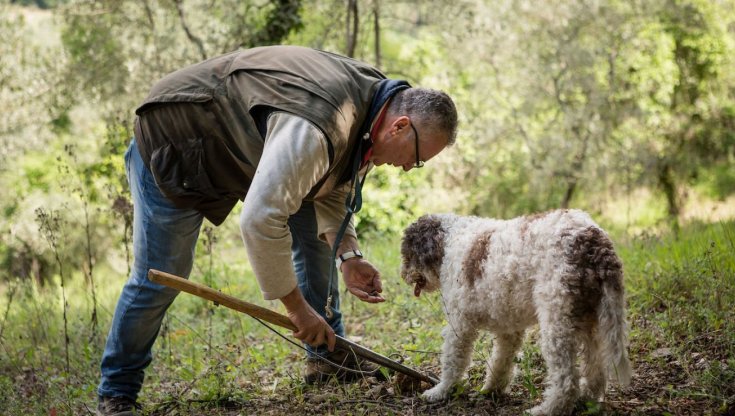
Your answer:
<point x="191" y="36"/>
<point x="353" y="20"/>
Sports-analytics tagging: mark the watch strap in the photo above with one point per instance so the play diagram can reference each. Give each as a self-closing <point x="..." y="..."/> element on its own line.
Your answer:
<point x="346" y="256"/>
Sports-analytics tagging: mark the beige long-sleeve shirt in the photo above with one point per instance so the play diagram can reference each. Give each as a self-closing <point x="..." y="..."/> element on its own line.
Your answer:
<point x="295" y="158"/>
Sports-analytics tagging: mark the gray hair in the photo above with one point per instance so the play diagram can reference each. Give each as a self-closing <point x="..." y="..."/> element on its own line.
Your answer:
<point x="432" y="108"/>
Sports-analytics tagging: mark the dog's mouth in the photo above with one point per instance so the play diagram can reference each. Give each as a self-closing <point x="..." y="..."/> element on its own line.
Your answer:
<point x="419" y="283"/>
<point x="415" y="278"/>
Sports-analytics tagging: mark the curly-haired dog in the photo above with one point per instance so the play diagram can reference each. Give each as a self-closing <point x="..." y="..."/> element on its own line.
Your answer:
<point x="557" y="269"/>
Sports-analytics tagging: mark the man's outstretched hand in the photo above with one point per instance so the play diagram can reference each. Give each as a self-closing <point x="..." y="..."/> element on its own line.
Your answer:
<point x="362" y="279"/>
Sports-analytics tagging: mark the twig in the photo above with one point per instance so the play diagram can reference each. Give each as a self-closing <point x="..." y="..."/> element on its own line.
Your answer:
<point x="49" y="225"/>
<point x="424" y="352"/>
<point x="89" y="271"/>
<point x="7" y="309"/>
<point x="195" y="39"/>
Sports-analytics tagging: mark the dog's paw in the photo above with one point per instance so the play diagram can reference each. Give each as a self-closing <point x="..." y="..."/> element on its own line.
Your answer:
<point x="435" y="394"/>
<point x="495" y="389"/>
<point x="544" y="409"/>
<point x="537" y="411"/>
<point x="492" y="393"/>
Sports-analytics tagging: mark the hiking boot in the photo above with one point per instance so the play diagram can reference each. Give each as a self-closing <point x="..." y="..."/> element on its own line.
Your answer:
<point x="348" y="368"/>
<point x="117" y="406"/>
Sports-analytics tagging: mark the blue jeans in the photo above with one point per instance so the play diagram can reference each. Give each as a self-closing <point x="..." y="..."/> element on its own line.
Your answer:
<point x="164" y="238"/>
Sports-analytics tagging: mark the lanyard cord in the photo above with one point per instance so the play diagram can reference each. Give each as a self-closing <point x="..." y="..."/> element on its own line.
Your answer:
<point x="353" y="203"/>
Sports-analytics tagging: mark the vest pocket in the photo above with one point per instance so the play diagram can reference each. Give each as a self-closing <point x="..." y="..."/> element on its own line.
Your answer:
<point x="180" y="173"/>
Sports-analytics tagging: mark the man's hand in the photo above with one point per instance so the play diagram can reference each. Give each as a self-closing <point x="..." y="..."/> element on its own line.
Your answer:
<point x="311" y="327"/>
<point x="362" y="279"/>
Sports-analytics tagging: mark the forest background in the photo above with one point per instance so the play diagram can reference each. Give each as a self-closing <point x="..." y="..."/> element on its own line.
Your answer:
<point x="623" y="108"/>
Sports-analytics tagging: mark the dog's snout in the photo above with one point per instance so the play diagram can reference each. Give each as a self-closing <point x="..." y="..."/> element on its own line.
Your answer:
<point x="411" y="276"/>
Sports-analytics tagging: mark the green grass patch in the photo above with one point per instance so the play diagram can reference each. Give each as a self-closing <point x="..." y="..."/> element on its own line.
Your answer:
<point x="212" y="360"/>
<point x="680" y="297"/>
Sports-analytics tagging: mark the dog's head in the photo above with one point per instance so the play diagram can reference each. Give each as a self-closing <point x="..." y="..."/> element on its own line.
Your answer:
<point x="422" y="252"/>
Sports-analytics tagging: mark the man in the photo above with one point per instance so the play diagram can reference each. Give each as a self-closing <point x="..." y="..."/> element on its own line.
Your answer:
<point x="291" y="131"/>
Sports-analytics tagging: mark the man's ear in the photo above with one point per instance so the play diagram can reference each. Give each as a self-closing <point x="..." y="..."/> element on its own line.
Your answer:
<point x="399" y="124"/>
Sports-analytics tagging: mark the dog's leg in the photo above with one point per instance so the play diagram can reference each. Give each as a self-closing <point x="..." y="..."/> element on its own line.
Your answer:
<point x="594" y="372"/>
<point x="456" y="355"/>
<point x="558" y="346"/>
<point x="500" y="365"/>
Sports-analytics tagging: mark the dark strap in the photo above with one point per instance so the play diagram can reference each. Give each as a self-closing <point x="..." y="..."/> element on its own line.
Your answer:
<point x="353" y="204"/>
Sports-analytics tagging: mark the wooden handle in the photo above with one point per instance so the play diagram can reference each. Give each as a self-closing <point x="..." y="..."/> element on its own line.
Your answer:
<point x="275" y="318"/>
<point x="208" y="293"/>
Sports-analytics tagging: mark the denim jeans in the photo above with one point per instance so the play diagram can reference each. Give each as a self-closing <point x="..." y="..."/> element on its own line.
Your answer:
<point x="164" y="238"/>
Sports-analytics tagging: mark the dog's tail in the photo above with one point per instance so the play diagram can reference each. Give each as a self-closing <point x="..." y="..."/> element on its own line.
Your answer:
<point x="612" y="329"/>
<point x="595" y="253"/>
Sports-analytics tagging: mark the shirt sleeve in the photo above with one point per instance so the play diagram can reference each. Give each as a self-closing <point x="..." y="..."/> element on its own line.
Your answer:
<point x="295" y="157"/>
<point x="330" y="213"/>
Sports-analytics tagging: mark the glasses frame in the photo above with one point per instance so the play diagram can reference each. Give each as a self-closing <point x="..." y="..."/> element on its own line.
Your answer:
<point x="419" y="163"/>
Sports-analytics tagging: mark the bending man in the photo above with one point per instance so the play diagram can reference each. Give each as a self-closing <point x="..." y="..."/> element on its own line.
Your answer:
<point x="288" y="130"/>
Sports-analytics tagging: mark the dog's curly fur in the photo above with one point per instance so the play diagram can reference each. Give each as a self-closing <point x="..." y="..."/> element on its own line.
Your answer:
<point x="558" y="269"/>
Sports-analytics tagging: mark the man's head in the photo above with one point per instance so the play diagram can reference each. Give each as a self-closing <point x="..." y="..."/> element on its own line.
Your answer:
<point x="419" y="123"/>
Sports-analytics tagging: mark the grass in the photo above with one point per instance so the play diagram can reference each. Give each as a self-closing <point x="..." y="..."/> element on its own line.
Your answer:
<point x="681" y="294"/>
<point x="211" y="360"/>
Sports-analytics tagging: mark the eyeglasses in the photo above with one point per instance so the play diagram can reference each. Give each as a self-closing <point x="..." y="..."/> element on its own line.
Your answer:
<point x="419" y="163"/>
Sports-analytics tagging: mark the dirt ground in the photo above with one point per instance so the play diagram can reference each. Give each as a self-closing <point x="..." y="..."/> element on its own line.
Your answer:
<point x="650" y="393"/>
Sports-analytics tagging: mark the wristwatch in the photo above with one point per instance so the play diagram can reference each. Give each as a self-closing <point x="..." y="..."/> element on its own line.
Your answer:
<point x="346" y="256"/>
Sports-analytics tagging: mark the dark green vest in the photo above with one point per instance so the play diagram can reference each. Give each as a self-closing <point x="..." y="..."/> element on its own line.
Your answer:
<point x="196" y="130"/>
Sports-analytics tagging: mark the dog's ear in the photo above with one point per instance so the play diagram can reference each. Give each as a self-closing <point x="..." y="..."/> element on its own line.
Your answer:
<point x="423" y="243"/>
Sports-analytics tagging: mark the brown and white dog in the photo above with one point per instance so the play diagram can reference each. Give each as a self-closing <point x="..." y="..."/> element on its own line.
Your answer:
<point x="557" y="269"/>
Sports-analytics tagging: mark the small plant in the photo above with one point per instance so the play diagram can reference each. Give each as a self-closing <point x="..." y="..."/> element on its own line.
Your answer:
<point x="529" y="364"/>
<point x="50" y="224"/>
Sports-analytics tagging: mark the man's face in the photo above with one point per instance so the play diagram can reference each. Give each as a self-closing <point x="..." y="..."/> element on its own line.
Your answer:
<point x="395" y="143"/>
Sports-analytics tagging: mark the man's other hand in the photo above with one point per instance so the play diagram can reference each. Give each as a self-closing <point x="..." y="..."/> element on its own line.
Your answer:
<point x="362" y="279"/>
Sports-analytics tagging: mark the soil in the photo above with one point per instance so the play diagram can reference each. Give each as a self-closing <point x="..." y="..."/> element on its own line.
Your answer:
<point x="650" y="393"/>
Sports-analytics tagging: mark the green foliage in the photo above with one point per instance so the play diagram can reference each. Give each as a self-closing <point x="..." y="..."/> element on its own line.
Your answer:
<point x="118" y="49"/>
<point x="390" y="200"/>
<point x="28" y="75"/>
<point x="581" y="96"/>
<point x="94" y="52"/>
<point x="717" y="182"/>
<point x="623" y="108"/>
<point x="281" y="20"/>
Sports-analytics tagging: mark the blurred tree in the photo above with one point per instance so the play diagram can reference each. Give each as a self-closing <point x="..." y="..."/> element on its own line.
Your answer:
<point x="118" y="48"/>
<point x="700" y="107"/>
<point x="31" y="109"/>
<point x="352" y="25"/>
<point x="587" y="95"/>
<point x="563" y="103"/>
<point x="29" y="74"/>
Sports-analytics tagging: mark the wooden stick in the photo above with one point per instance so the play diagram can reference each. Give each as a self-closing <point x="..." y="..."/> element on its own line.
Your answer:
<point x="275" y="318"/>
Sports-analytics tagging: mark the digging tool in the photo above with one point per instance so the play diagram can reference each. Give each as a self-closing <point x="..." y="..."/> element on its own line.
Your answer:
<point x="276" y="318"/>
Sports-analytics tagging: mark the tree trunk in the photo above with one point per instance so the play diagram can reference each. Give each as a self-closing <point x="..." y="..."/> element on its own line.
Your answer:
<point x="667" y="183"/>
<point x="571" y="187"/>
<point x="189" y="34"/>
<point x="376" y="15"/>
<point x="576" y="167"/>
<point x="353" y="21"/>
